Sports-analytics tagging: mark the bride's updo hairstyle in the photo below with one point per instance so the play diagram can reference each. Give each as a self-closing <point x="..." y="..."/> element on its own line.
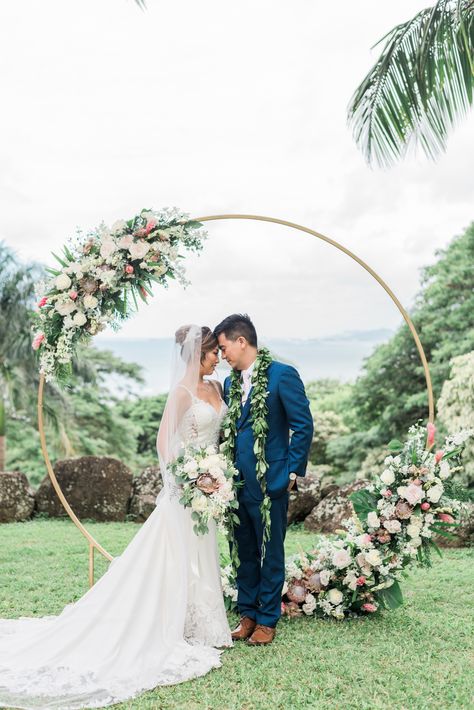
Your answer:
<point x="208" y="339"/>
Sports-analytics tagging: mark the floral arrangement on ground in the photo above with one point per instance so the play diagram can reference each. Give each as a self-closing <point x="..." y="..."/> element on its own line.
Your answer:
<point x="100" y="276"/>
<point x="358" y="572"/>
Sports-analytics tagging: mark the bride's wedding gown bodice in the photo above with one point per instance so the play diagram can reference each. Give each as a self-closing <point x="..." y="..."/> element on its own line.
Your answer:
<point x="156" y="617"/>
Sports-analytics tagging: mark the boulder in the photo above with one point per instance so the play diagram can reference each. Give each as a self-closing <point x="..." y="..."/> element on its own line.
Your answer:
<point x="464" y="533"/>
<point x="17" y="498"/>
<point x="145" y="488"/>
<point x="328" y="488"/>
<point x="303" y="500"/>
<point x="96" y="487"/>
<point x="335" y="507"/>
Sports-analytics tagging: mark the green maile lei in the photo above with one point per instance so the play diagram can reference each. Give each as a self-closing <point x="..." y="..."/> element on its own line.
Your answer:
<point x="258" y="414"/>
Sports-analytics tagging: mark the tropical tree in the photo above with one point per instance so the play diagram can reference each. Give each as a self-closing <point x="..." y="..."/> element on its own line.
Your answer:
<point x="420" y="85"/>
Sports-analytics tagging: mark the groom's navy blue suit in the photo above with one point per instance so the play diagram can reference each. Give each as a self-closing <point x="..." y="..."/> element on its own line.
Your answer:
<point x="259" y="586"/>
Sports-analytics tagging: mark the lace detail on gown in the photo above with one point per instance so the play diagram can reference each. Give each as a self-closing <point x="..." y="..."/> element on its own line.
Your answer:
<point x="156" y="617"/>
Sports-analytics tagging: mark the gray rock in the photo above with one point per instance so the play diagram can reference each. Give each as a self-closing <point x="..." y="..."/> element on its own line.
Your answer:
<point x="17" y="498"/>
<point x="96" y="487"/>
<point x="302" y="501"/>
<point x="145" y="488"/>
<point x="335" y="507"/>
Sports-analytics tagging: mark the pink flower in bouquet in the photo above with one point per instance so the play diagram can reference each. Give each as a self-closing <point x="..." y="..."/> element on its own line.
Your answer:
<point x="283" y="608"/>
<point x="73" y="295"/>
<point x="313" y="582"/>
<point x="292" y="609"/>
<point x="387" y="493"/>
<point x="360" y="581"/>
<point x="439" y="455"/>
<point x="144" y="292"/>
<point x="296" y="591"/>
<point x="129" y="269"/>
<point x="38" y="339"/>
<point x="403" y="510"/>
<point x="151" y="224"/>
<point x="431" y="429"/>
<point x="43" y="302"/>
<point x="425" y="506"/>
<point x="446" y="518"/>
<point x="369" y="607"/>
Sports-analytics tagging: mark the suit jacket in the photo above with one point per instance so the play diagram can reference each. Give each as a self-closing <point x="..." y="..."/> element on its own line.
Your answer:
<point x="288" y="409"/>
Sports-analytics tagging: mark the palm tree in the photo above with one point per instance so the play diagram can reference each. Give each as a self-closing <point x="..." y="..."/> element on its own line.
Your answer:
<point x="419" y="87"/>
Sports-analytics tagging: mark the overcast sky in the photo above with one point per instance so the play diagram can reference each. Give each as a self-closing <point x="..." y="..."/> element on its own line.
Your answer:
<point x="220" y="107"/>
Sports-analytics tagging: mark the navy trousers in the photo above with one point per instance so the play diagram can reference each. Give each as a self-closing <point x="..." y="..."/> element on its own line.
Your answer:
<point x="259" y="586"/>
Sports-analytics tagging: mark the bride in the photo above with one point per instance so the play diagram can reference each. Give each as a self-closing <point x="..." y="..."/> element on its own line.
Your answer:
<point x="157" y="616"/>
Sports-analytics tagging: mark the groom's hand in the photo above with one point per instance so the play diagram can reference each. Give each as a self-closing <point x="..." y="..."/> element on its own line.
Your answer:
<point x="292" y="481"/>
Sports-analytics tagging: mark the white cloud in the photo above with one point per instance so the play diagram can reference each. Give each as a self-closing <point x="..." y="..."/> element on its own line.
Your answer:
<point x="222" y="108"/>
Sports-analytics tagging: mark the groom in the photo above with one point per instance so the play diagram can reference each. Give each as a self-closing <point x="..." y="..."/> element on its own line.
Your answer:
<point x="259" y="585"/>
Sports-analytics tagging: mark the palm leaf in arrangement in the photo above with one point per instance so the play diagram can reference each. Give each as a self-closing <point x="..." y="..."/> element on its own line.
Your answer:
<point x="420" y="86"/>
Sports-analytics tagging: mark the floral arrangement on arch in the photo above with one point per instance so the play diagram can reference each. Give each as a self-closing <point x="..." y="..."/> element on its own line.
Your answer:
<point x="100" y="276"/>
<point x="358" y="571"/>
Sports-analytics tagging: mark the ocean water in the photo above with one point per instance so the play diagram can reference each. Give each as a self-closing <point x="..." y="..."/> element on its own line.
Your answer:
<point x="339" y="356"/>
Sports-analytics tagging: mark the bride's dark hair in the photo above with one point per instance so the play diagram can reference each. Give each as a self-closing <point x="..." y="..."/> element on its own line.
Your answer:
<point x="208" y="339"/>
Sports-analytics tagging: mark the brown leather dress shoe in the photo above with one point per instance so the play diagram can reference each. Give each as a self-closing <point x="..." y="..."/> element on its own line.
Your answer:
<point x="262" y="635"/>
<point x="244" y="629"/>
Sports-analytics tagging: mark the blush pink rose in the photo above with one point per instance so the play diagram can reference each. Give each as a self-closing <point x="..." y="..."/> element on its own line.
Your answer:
<point x="387" y="493"/>
<point x="369" y="607"/>
<point x="360" y="581"/>
<point x="73" y="295"/>
<point x="431" y="429"/>
<point x="38" y="339"/>
<point x="129" y="269"/>
<point x="425" y="506"/>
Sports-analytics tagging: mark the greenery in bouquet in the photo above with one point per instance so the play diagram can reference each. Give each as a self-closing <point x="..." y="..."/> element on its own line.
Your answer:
<point x="101" y="276"/>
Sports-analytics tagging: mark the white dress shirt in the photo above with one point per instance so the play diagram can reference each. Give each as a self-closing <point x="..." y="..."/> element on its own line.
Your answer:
<point x="247" y="382"/>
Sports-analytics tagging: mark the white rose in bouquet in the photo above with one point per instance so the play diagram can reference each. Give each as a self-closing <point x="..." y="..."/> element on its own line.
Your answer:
<point x="191" y="468"/>
<point x="79" y="318"/>
<point x="125" y="242"/>
<point x="65" y="309"/>
<point x="373" y="520"/>
<point x="413" y="530"/>
<point x="119" y="226"/>
<point x="90" y="301"/>
<point x="62" y="282"/>
<point x="444" y="470"/>
<point x="335" y="596"/>
<point x="199" y="503"/>
<point x="325" y="576"/>
<point x="341" y="559"/>
<point x="387" y="477"/>
<point x="107" y="248"/>
<point x="392" y="526"/>
<point x="138" y="249"/>
<point x="435" y="493"/>
<point x="373" y="557"/>
<point x="309" y="604"/>
<point x="413" y="493"/>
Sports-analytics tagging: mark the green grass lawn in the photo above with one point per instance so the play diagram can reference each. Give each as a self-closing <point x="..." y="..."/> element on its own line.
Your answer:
<point x="419" y="656"/>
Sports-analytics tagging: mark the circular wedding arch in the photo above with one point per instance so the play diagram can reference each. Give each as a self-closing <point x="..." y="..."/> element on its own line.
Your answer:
<point x="93" y="543"/>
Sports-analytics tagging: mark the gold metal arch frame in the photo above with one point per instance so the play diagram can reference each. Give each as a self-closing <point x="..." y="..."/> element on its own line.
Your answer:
<point x="93" y="544"/>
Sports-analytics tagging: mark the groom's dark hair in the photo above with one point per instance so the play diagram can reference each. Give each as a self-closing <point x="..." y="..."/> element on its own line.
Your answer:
<point x="236" y="325"/>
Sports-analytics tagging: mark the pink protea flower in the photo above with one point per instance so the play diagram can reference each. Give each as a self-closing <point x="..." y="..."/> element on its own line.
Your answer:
<point x="369" y="607"/>
<point x="431" y="429"/>
<point x="38" y="339"/>
<point x="446" y="518"/>
<point x="360" y="581"/>
<point x="129" y="269"/>
<point x="43" y="302"/>
<point x="439" y="455"/>
<point x="73" y="295"/>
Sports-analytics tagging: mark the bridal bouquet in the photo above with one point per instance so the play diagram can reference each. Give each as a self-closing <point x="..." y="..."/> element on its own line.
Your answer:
<point x="207" y="480"/>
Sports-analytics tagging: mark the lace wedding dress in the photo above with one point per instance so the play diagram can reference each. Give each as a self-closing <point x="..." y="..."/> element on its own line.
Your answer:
<point x="154" y="618"/>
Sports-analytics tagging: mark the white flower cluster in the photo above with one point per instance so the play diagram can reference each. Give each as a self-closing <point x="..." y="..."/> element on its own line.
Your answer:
<point x="97" y="272"/>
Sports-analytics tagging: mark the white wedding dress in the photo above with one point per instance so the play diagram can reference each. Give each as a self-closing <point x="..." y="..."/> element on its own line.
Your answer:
<point x="156" y="617"/>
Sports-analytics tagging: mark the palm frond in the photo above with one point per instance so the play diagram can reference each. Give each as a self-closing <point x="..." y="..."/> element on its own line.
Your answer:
<point x="420" y="86"/>
<point x="141" y="4"/>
